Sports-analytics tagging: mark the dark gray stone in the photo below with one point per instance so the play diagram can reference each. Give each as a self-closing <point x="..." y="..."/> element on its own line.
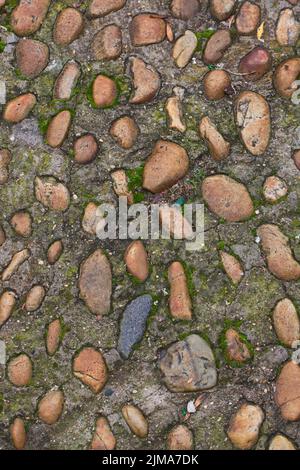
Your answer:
<point x="133" y="324"/>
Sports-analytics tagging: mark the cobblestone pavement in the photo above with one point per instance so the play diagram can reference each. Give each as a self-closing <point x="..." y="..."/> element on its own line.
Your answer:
<point x="75" y="350"/>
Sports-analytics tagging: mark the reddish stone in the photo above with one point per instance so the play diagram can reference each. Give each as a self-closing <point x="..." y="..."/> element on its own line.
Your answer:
<point x="32" y="57"/>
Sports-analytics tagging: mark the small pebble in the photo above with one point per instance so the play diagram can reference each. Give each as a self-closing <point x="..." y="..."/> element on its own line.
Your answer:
<point x="21" y="222"/>
<point x="55" y="251"/>
<point x="136" y="420"/>
<point x="18" y="433"/>
<point x="125" y="131"/>
<point x="50" y="407"/>
<point x="19" y="370"/>
<point x="274" y="189"/>
<point x="68" y="26"/>
<point x="180" y="438"/>
<point x="90" y="368"/>
<point x="105" y="92"/>
<point x="85" y="149"/>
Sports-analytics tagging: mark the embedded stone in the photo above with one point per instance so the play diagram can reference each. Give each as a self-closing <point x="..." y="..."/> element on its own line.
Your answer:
<point x="103" y="438"/>
<point x="120" y="185"/>
<point x="89" y="220"/>
<point x="185" y="9"/>
<point x="188" y="365"/>
<point x="180" y="438"/>
<point x="16" y="261"/>
<point x="107" y="43"/>
<point x="28" y="16"/>
<point x="174" y="223"/>
<point x="169" y="32"/>
<point x="245" y="425"/>
<point x="146" y="81"/>
<point x="227" y="198"/>
<point x="256" y="63"/>
<point x="105" y="91"/>
<point x="280" y="442"/>
<point x="104" y="7"/>
<point x="280" y="259"/>
<point x="286" y="322"/>
<point x="133" y="324"/>
<point x="2" y="235"/>
<point x="236" y="349"/>
<point x="248" y="18"/>
<point x="19" y="108"/>
<point x="175" y="112"/>
<point x="34" y="298"/>
<point x="5" y="159"/>
<point x="95" y="283"/>
<point x="147" y="28"/>
<point x="51" y="406"/>
<point x="232" y="267"/>
<point x="216" y="46"/>
<point x="166" y="165"/>
<point x="32" y="57"/>
<point x="252" y="114"/>
<point x="296" y="158"/>
<point x="136" y="260"/>
<point x="90" y="368"/>
<point x="66" y="81"/>
<point x="285" y="75"/>
<point x="53" y="337"/>
<point x="180" y="301"/>
<point x="274" y="189"/>
<point x="287" y="28"/>
<point x="68" y="26"/>
<point x="58" y="128"/>
<point x="19" y="370"/>
<point x="222" y="9"/>
<point x="216" y="83"/>
<point x="125" y="131"/>
<point x="18" y="433"/>
<point x="55" y="251"/>
<point x="21" y="222"/>
<point x="218" y="147"/>
<point x="287" y="394"/>
<point x="184" y="48"/>
<point x="52" y="193"/>
<point x="85" y="149"/>
<point x="7" y="304"/>
<point x="136" y="420"/>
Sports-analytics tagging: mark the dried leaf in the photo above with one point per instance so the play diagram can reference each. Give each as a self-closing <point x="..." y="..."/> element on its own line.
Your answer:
<point x="199" y="400"/>
<point x="260" y="31"/>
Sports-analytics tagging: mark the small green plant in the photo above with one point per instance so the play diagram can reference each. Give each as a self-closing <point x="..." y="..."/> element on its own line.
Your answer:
<point x="221" y="245"/>
<point x="43" y="125"/>
<point x="135" y="178"/>
<point x="196" y="178"/>
<point x="10" y="5"/>
<point x="202" y="36"/>
<point x="189" y="272"/>
<point x="135" y="182"/>
<point x="2" y="45"/>
<point x="19" y="74"/>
